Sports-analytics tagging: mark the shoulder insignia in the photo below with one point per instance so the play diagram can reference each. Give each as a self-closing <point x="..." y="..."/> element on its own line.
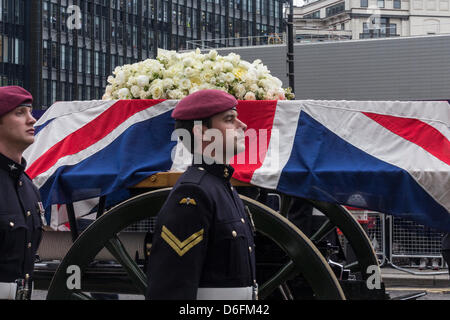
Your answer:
<point x="188" y="201"/>
<point x="181" y="247"/>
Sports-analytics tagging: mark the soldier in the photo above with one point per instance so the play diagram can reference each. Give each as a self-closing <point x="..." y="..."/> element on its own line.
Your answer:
<point x="203" y="244"/>
<point x="20" y="206"/>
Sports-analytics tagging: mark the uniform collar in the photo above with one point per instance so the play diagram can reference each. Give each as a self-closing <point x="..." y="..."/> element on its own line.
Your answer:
<point x="13" y="168"/>
<point x="223" y="171"/>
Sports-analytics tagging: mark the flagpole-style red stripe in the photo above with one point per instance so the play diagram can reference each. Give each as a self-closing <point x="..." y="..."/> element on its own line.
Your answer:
<point x="256" y="115"/>
<point x="90" y="133"/>
<point x="417" y="132"/>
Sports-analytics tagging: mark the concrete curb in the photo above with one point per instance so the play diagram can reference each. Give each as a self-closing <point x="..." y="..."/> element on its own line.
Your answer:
<point x="397" y="278"/>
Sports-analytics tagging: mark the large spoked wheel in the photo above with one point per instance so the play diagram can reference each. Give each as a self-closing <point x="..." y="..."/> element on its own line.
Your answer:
<point x="103" y="233"/>
<point x="339" y="217"/>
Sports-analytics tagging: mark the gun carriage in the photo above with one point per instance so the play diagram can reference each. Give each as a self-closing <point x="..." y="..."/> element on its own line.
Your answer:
<point x="305" y="269"/>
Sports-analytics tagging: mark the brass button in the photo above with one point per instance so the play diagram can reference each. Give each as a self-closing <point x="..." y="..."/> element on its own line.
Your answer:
<point x="250" y="249"/>
<point x="27" y="276"/>
<point x="20" y="183"/>
<point x="242" y="220"/>
<point x="28" y="213"/>
<point x="234" y="233"/>
<point x="11" y="224"/>
<point x="29" y="245"/>
<point x="225" y="173"/>
<point x="200" y="168"/>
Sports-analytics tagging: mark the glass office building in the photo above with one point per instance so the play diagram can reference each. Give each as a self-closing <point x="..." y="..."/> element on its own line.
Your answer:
<point x="66" y="49"/>
<point x="13" y="39"/>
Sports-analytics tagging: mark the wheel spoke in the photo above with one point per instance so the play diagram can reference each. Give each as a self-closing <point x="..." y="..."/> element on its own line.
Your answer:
<point x="323" y="231"/>
<point x="287" y="272"/>
<point x="117" y="249"/>
<point x="80" y="296"/>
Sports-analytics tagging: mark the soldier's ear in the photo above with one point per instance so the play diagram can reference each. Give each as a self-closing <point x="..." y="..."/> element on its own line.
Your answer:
<point x="199" y="129"/>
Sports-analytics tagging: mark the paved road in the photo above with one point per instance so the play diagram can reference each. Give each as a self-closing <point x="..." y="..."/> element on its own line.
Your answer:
<point x="432" y="294"/>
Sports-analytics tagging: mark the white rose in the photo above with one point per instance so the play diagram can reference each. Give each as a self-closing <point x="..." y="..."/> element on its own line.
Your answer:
<point x="156" y="92"/>
<point x="131" y="81"/>
<point x="120" y="77"/>
<point x="124" y="93"/>
<point x="175" y="94"/>
<point x="185" y="84"/>
<point x="281" y="95"/>
<point x="188" y="62"/>
<point x="218" y="67"/>
<point x="229" y="77"/>
<point x="212" y="55"/>
<point x="239" y="90"/>
<point x="144" y="94"/>
<point x="135" y="91"/>
<point x="206" y="77"/>
<point x="189" y="72"/>
<point x="227" y="67"/>
<point x="109" y="89"/>
<point x="167" y="83"/>
<point x="249" y="96"/>
<point x="143" y="80"/>
<point x="254" y="87"/>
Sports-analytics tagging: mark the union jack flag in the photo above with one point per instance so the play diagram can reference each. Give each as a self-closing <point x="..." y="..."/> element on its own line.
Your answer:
<point x="387" y="156"/>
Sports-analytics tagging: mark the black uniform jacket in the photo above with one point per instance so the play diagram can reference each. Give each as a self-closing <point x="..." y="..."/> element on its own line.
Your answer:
<point x="20" y="221"/>
<point x="203" y="237"/>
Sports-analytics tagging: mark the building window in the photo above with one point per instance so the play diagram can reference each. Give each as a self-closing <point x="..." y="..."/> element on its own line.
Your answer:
<point x="63" y="57"/>
<point x="364" y="3"/>
<point x="313" y="15"/>
<point x="337" y="8"/>
<point x="397" y="4"/>
<point x="380" y="3"/>
<point x="80" y="60"/>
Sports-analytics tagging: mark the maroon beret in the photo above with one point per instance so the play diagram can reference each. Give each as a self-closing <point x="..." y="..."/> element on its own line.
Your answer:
<point x="13" y="96"/>
<point x="203" y="104"/>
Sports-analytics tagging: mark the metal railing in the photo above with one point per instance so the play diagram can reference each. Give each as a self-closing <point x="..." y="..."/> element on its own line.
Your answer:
<point x="273" y="38"/>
